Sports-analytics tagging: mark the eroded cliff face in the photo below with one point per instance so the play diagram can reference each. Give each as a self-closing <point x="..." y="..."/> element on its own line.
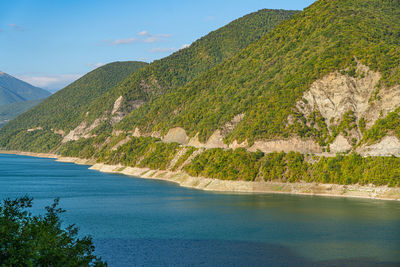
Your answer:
<point x="338" y="94"/>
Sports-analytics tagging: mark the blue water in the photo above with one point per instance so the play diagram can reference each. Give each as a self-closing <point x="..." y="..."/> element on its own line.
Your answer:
<point x="155" y="223"/>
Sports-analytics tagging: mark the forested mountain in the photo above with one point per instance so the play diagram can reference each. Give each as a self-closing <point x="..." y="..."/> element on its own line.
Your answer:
<point x="315" y="99"/>
<point x="266" y="80"/>
<point x="9" y="112"/>
<point x="182" y="66"/>
<point x="66" y="108"/>
<point x="69" y="107"/>
<point x="13" y="90"/>
<point x="17" y="96"/>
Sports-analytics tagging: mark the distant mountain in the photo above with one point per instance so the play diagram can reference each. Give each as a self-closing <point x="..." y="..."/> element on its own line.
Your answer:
<point x="17" y="96"/>
<point x="13" y="90"/>
<point x="11" y="111"/>
<point x="68" y="106"/>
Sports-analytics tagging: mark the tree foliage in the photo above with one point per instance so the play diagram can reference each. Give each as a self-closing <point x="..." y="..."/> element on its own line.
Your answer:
<point x="40" y="240"/>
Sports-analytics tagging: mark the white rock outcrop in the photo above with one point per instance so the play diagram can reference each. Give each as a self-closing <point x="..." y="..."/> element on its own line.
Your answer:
<point x="388" y="146"/>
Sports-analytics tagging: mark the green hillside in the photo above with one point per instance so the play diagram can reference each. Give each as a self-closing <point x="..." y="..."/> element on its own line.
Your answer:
<point x="184" y="65"/>
<point x="67" y="108"/>
<point x="13" y="90"/>
<point x="88" y="98"/>
<point x="265" y="80"/>
<point x="9" y="112"/>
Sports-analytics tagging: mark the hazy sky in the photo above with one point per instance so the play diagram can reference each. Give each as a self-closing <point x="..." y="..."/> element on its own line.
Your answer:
<point x="49" y="43"/>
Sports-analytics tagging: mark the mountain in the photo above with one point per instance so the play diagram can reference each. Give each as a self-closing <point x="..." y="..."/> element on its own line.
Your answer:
<point x="11" y="111"/>
<point x="316" y="99"/>
<point x="13" y="90"/>
<point x="68" y="106"/>
<point x="17" y="96"/>
<point x="69" y="111"/>
<point x="280" y="83"/>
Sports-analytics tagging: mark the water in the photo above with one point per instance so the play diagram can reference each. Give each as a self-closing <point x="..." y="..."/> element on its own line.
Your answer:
<point x="149" y="222"/>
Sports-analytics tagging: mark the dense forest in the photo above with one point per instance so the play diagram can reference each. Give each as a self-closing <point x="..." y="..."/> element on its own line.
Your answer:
<point x="265" y="80"/>
<point x="181" y="67"/>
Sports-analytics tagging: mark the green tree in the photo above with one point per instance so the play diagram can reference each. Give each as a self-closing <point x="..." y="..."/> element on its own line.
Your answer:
<point x="39" y="240"/>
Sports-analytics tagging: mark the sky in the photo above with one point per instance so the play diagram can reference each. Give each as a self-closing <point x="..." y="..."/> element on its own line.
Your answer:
<point x="50" y="43"/>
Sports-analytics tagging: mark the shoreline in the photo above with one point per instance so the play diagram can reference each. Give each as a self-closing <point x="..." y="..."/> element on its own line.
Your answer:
<point x="228" y="186"/>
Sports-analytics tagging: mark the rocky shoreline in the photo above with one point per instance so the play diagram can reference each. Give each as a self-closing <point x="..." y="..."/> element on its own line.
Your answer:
<point x="202" y="183"/>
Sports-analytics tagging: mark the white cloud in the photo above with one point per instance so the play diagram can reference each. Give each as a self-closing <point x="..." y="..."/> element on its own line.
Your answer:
<point x="144" y="33"/>
<point x="162" y="50"/>
<point x="124" y="41"/>
<point x="184" y="46"/>
<point x="166" y="49"/>
<point x="51" y="82"/>
<point x="145" y="37"/>
<point x="96" y="65"/>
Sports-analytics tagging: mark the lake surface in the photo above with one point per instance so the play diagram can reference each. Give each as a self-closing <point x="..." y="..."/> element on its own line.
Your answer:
<point x="137" y="222"/>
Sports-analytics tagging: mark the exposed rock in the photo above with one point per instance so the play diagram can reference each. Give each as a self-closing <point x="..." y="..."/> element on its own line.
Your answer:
<point x="230" y="125"/>
<point x="156" y="134"/>
<point x="136" y="133"/>
<point x="121" y="143"/>
<point x="178" y="155"/>
<point x="117" y="114"/>
<point x="81" y="131"/>
<point x="336" y="94"/>
<point x="117" y="105"/>
<point x="388" y="146"/>
<point x="60" y="132"/>
<point x="235" y="144"/>
<point x="117" y="132"/>
<point x="177" y="135"/>
<point x="216" y="140"/>
<point x="389" y="100"/>
<point x="340" y="145"/>
<point x="35" y="129"/>
<point x="293" y="144"/>
<point x="195" y="142"/>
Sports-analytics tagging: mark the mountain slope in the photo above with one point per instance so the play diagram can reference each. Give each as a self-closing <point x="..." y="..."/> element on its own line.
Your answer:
<point x="181" y="67"/>
<point x="66" y="109"/>
<point x="11" y="111"/>
<point x="13" y="90"/>
<point x="330" y="42"/>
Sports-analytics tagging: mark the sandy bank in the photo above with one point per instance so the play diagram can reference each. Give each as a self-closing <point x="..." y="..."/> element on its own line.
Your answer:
<point x="208" y="184"/>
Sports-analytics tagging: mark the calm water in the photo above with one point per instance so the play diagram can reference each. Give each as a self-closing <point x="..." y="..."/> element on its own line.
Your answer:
<point x="148" y="222"/>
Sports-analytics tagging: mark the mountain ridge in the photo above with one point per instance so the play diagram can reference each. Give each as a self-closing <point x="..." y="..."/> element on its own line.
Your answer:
<point x="13" y="90"/>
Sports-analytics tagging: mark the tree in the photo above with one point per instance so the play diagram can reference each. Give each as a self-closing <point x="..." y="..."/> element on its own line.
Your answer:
<point x="40" y="240"/>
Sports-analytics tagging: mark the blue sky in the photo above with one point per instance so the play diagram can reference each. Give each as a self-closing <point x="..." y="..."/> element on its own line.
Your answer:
<point x="50" y="43"/>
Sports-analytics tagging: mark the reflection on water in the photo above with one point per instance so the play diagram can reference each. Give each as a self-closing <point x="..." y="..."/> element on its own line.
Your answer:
<point x="147" y="221"/>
